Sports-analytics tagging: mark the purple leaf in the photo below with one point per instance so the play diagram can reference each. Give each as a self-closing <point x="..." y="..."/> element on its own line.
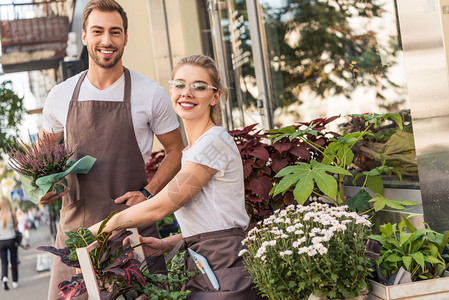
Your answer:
<point x="247" y="168"/>
<point x="300" y="152"/>
<point x="279" y="164"/>
<point x="281" y="147"/>
<point x="261" y="186"/>
<point x="260" y="152"/>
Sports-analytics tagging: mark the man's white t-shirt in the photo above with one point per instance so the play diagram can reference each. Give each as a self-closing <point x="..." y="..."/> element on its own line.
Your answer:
<point x="220" y="204"/>
<point x="151" y="108"/>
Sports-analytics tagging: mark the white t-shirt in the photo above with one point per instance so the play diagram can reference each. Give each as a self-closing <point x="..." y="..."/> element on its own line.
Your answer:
<point x="151" y="108"/>
<point x="220" y="204"/>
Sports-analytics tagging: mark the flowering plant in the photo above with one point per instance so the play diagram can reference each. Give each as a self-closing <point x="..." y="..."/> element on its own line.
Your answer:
<point x="304" y="250"/>
<point x="44" y="165"/>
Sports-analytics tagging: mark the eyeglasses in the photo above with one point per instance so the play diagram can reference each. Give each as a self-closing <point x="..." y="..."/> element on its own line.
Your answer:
<point x="198" y="89"/>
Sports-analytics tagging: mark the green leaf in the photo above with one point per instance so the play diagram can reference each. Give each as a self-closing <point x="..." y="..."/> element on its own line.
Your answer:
<point x="360" y="201"/>
<point x="407" y="260"/>
<point x="419" y="258"/>
<point x="393" y="258"/>
<point x="407" y="222"/>
<point x="396" y="118"/>
<point x="379" y="203"/>
<point x="354" y="181"/>
<point x="375" y="184"/>
<point x="303" y="189"/>
<point x="326" y="183"/>
<point x="433" y="260"/>
<point x="103" y="224"/>
<point x="404" y="237"/>
<point x="444" y="242"/>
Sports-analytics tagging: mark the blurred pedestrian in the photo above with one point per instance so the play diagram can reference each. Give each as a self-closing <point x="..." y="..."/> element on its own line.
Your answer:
<point x="24" y="227"/>
<point x="8" y="226"/>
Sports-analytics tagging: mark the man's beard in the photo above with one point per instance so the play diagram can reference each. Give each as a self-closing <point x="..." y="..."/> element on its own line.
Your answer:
<point x="108" y="64"/>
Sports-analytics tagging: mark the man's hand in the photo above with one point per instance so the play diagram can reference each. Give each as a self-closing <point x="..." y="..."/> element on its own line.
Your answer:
<point x="51" y="197"/>
<point x="130" y="198"/>
<point x="152" y="246"/>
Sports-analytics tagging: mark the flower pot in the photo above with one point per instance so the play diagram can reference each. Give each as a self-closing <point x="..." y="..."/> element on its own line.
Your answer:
<point x="362" y="296"/>
<point x="433" y="289"/>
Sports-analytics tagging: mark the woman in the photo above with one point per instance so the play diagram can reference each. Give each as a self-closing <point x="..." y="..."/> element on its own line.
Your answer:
<point x="207" y="195"/>
<point x="8" y="226"/>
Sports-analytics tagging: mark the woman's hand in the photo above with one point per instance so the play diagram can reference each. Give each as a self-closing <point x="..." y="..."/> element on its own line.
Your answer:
<point x="154" y="246"/>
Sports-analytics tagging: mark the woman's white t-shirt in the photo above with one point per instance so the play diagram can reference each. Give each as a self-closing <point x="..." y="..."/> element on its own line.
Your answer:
<point x="220" y="204"/>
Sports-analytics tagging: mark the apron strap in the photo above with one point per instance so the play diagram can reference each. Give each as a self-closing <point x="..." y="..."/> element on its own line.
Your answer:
<point x="181" y="245"/>
<point x="127" y="94"/>
<point x="76" y="91"/>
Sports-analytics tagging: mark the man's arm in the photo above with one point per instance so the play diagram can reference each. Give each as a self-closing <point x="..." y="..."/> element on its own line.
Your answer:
<point x="170" y="166"/>
<point x="51" y="197"/>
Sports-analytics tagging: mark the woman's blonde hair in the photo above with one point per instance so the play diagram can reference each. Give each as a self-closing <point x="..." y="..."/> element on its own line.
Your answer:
<point x="209" y="65"/>
<point x="5" y="211"/>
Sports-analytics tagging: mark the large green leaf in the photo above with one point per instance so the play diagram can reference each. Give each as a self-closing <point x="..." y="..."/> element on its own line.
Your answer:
<point x="303" y="177"/>
<point x="304" y="189"/>
<point x="375" y="184"/>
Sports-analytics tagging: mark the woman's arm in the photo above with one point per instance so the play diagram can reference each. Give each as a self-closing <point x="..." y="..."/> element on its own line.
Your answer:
<point x="179" y="191"/>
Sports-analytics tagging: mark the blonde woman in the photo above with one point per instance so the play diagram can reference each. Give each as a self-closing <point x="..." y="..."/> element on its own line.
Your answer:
<point x="8" y="226"/>
<point x="207" y="195"/>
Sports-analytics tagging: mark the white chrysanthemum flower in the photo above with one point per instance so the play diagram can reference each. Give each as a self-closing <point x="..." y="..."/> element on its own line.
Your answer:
<point x="286" y="252"/>
<point x="284" y="236"/>
<point x="316" y="230"/>
<point x="302" y="250"/>
<point x="242" y="252"/>
<point x="290" y="228"/>
<point x="311" y="251"/>
<point x="299" y="232"/>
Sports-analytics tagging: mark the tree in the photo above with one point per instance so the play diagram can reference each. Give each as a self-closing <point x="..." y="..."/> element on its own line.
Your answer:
<point x="11" y="114"/>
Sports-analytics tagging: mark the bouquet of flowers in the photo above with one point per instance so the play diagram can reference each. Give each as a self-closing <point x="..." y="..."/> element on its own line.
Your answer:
<point x="44" y="165"/>
<point x="305" y="250"/>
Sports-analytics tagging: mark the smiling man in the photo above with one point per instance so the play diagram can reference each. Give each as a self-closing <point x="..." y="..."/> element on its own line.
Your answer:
<point x="112" y="114"/>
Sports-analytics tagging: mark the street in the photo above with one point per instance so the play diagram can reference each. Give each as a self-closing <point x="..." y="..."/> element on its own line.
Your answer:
<point x="32" y="284"/>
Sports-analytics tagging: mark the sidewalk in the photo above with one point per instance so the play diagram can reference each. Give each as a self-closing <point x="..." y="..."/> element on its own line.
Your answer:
<point x="32" y="284"/>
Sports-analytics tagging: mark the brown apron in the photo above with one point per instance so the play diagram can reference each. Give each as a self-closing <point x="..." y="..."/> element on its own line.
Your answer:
<point x="104" y="130"/>
<point x="221" y="249"/>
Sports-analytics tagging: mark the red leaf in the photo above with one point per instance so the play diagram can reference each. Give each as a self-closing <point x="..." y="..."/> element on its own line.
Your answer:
<point x="266" y="170"/>
<point x="281" y="147"/>
<point x="300" y="152"/>
<point x="260" y="152"/>
<point x="279" y="164"/>
<point x="261" y="186"/>
<point x="254" y="199"/>
<point x="247" y="168"/>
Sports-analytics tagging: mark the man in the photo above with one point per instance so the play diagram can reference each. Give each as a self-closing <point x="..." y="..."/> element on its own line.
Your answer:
<point x="109" y="113"/>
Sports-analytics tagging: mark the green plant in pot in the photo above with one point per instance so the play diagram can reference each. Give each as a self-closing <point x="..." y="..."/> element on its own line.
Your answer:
<point x="418" y="251"/>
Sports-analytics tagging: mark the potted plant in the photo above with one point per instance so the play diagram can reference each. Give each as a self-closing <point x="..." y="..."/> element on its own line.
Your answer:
<point x="116" y="271"/>
<point x="324" y="176"/>
<point x="44" y="165"/>
<point x="416" y="254"/>
<point x="309" y="250"/>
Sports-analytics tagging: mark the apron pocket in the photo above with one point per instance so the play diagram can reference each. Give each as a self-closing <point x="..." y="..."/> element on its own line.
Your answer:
<point x="231" y="280"/>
